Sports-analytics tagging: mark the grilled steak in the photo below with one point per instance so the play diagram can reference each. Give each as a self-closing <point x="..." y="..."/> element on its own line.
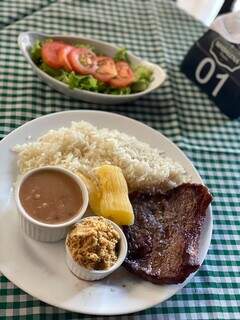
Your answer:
<point x="163" y="242"/>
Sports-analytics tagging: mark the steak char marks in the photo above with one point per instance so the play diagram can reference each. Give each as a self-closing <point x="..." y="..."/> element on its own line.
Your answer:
<point x="163" y="242"/>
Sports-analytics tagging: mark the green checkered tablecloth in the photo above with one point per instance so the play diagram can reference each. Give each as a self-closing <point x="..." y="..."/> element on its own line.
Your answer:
<point x="158" y="31"/>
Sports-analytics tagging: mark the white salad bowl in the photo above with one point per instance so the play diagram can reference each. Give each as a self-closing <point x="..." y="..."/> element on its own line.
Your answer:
<point x="27" y="39"/>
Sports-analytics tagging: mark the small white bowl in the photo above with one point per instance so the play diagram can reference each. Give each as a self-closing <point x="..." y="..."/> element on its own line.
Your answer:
<point x="27" y="39"/>
<point x="92" y="275"/>
<point x="48" y="232"/>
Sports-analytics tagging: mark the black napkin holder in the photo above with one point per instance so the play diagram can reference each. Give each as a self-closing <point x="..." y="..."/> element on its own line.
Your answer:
<point x="213" y="63"/>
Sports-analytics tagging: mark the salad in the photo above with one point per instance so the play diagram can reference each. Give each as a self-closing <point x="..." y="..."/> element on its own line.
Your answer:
<point x="80" y="66"/>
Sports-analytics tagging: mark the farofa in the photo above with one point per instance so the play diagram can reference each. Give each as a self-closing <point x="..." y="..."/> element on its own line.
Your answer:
<point x="93" y="243"/>
<point x="82" y="147"/>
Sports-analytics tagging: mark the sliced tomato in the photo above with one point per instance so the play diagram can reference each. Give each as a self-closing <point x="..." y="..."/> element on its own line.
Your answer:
<point x="50" y="52"/>
<point x="63" y="57"/>
<point x="124" y="76"/>
<point x="106" y="69"/>
<point x="83" y="61"/>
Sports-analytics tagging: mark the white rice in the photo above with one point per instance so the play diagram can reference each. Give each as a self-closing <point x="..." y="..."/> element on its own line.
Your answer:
<point x="82" y="147"/>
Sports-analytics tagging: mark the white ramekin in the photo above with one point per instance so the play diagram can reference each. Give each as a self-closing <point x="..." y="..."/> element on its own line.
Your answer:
<point x="48" y="232"/>
<point x="92" y="275"/>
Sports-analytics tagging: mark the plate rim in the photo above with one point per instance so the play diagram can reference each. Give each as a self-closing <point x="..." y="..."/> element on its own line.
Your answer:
<point x="181" y="285"/>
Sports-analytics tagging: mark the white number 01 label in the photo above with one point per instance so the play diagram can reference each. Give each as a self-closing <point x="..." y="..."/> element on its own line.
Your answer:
<point x="210" y="67"/>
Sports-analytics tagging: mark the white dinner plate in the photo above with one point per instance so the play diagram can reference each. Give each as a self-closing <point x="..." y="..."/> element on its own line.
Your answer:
<point x="40" y="268"/>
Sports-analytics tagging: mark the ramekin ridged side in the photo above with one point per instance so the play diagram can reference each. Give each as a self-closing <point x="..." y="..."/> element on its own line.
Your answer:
<point x="81" y="272"/>
<point x="40" y="233"/>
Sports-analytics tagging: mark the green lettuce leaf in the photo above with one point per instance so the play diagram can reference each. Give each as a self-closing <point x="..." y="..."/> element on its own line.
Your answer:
<point x="51" y="71"/>
<point x="36" y="52"/>
<point x="121" y="55"/>
<point x="143" y="77"/>
<point x="73" y="80"/>
<point x="118" y="91"/>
